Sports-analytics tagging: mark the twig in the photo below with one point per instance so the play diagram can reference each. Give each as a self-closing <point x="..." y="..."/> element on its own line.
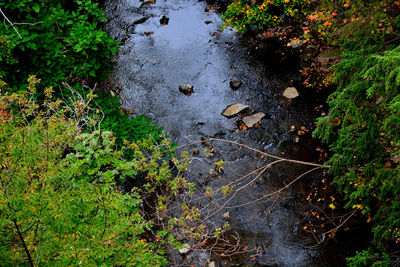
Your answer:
<point x="277" y="192"/>
<point x="27" y="23"/>
<point x="332" y="230"/>
<point x="12" y="25"/>
<point x="257" y="151"/>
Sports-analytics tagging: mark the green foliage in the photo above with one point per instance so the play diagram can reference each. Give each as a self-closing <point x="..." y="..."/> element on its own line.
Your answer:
<point x="241" y="14"/>
<point x="123" y="127"/>
<point x="363" y="130"/>
<point x="60" y="40"/>
<point x="66" y="208"/>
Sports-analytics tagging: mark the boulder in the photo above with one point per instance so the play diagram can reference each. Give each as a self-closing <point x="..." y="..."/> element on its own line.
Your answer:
<point x="291" y="92"/>
<point x="187" y="89"/>
<point x="250" y="121"/>
<point x="234" y="109"/>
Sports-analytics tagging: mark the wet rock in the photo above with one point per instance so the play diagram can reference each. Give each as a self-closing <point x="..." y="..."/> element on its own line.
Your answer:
<point x="233" y="110"/>
<point x="293" y="128"/>
<point x="235" y="84"/>
<point x="147" y="2"/>
<point x="164" y="20"/>
<point x="149" y="34"/>
<point x="207" y="21"/>
<point x="250" y="121"/>
<point x="212" y="172"/>
<point x="140" y="21"/>
<point x="185" y="249"/>
<point x="187" y="89"/>
<point x="291" y="92"/>
<point x="254" y="28"/>
<point x="130" y="30"/>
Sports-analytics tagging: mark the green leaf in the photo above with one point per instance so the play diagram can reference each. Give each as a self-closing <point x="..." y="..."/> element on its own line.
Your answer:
<point x="36" y="7"/>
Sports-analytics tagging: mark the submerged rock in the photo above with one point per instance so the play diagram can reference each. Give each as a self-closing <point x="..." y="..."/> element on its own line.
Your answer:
<point x="187" y="89"/>
<point x="234" y="109"/>
<point x="164" y="20"/>
<point x="291" y="92"/>
<point x="234" y="84"/>
<point x="140" y="21"/>
<point x="250" y="121"/>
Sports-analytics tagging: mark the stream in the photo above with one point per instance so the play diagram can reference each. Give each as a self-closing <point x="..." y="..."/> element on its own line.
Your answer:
<point x="155" y="58"/>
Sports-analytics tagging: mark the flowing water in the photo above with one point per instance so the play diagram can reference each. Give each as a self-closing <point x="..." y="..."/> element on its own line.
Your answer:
<point x="155" y="59"/>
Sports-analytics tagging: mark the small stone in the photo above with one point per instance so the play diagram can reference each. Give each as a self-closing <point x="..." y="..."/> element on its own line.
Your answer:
<point x="212" y="172"/>
<point x="296" y="139"/>
<point x="185" y="249"/>
<point x="250" y="121"/>
<point x="187" y="89"/>
<point x="293" y="128"/>
<point x="234" y="84"/>
<point x="226" y="215"/>
<point x="291" y="92"/>
<point x="164" y="20"/>
<point x="211" y="264"/>
<point x="234" y="109"/>
<point x="323" y="114"/>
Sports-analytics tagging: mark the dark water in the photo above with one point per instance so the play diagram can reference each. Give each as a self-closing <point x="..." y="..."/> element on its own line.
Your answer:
<point x="156" y="59"/>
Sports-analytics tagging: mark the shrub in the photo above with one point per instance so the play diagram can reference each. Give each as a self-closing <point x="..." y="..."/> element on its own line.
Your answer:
<point x="54" y="40"/>
<point x="241" y="14"/>
<point x="60" y="203"/>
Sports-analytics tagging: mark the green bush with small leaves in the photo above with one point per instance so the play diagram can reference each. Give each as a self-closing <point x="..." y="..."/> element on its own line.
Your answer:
<point x="54" y="40"/>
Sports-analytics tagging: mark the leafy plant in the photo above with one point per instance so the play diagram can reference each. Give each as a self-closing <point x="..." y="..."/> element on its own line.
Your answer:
<point x="55" y="40"/>
<point x="123" y="126"/>
<point x="364" y="135"/>
<point x="241" y="14"/>
<point x="59" y="199"/>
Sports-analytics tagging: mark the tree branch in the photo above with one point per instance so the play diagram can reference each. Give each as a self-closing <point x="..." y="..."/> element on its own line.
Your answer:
<point x="23" y="243"/>
<point x="12" y="25"/>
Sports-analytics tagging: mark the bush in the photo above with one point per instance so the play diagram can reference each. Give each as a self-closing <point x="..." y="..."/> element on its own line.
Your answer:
<point x="123" y="127"/>
<point x="60" y="202"/>
<point x="241" y="14"/>
<point x="54" y="40"/>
